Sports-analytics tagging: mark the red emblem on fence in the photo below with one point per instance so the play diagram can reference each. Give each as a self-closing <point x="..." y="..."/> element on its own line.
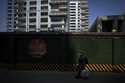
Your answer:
<point x="38" y="48"/>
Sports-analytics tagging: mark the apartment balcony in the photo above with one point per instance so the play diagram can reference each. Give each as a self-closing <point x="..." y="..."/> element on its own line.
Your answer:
<point x="44" y="23"/>
<point x="11" y="28"/>
<point x="84" y="13"/>
<point x="32" y="23"/>
<point x="57" y="1"/>
<point x="58" y="13"/>
<point x="32" y="17"/>
<point x="84" y="6"/>
<point x="84" y="3"/>
<point x="84" y="25"/>
<point x="57" y="29"/>
<point x="44" y="16"/>
<point x="84" y="19"/>
<point x="21" y="29"/>
<point x="20" y="11"/>
<point x="32" y="29"/>
<point x="32" y="6"/>
<point x="84" y="16"/>
<point x="85" y="10"/>
<point x="22" y="24"/>
<point x="22" y="18"/>
<point x="44" y="10"/>
<point x="32" y="11"/>
<point x="44" y="29"/>
<point x="58" y="23"/>
<point x="44" y="5"/>
<point x="63" y="7"/>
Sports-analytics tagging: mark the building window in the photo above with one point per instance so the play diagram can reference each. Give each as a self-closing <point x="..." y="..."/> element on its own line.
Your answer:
<point x="72" y="29"/>
<point x="24" y="3"/>
<point x="43" y="26"/>
<point x="73" y="9"/>
<point x="32" y="26"/>
<point x="72" y="17"/>
<point x="44" y="2"/>
<point x="44" y="13"/>
<point x="72" y="6"/>
<point x="23" y="20"/>
<point x="22" y="26"/>
<point x="32" y="14"/>
<point x="33" y="3"/>
<point x="55" y="19"/>
<point x="32" y="8"/>
<point x="24" y="8"/>
<point x="72" y="26"/>
<point x="9" y="3"/>
<point x="44" y="8"/>
<point x="72" y="3"/>
<point x="73" y="12"/>
<point x="32" y="20"/>
<point x="44" y="20"/>
<point x="22" y="15"/>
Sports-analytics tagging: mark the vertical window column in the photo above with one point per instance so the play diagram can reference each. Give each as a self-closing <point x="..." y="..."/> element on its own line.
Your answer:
<point x="77" y="16"/>
<point x="27" y="15"/>
<point x="38" y="16"/>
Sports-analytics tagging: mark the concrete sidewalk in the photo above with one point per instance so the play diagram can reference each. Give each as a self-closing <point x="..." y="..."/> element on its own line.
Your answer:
<point x="58" y="77"/>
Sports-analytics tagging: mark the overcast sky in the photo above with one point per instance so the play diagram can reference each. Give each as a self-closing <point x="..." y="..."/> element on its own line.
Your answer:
<point x="96" y="8"/>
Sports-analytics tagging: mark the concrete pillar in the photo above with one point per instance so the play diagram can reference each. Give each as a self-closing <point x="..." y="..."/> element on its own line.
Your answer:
<point x="115" y="26"/>
<point x="99" y="25"/>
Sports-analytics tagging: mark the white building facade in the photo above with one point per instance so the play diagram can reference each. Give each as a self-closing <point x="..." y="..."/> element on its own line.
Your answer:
<point x="47" y="15"/>
<point x="78" y="10"/>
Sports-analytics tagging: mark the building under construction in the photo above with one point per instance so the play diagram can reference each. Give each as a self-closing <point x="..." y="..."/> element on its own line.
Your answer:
<point x="113" y="23"/>
<point x="47" y="15"/>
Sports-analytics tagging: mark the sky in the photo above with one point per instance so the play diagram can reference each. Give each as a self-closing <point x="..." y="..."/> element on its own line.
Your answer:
<point x="96" y="8"/>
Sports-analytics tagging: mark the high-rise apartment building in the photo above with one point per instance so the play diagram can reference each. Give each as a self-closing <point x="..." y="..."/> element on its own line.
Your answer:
<point x="78" y="10"/>
<point x="47" y="15"/>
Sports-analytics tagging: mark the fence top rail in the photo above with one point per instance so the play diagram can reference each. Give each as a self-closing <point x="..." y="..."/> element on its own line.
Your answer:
<point x="82" y="34"/>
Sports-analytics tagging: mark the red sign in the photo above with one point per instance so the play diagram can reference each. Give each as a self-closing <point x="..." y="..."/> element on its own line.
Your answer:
<point x="38" y="48"/>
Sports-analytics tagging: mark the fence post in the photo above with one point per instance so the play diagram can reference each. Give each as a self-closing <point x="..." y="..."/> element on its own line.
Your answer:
<point x="113" y="54"/>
